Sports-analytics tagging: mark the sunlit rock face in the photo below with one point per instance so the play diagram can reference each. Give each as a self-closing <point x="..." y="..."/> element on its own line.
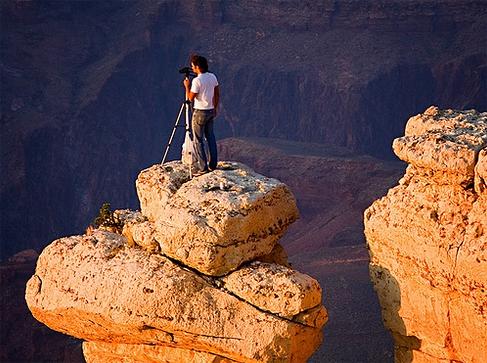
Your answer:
<point x="428" y="240"/>
<point x="219" y="220"/>
<point x="135" y="294"/>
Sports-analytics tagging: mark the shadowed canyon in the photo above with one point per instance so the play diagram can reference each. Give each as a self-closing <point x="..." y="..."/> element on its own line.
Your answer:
<point x="313" y="94"/>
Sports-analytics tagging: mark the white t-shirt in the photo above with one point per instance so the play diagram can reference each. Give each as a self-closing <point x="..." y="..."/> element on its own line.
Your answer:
<point x="204" y="85"/>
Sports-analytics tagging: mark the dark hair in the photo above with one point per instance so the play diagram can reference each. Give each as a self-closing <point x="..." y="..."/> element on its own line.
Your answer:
<point x="200" y="61"/>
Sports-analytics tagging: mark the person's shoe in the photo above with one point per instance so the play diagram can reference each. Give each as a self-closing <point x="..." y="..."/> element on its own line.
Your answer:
<point x="200" y="172"/>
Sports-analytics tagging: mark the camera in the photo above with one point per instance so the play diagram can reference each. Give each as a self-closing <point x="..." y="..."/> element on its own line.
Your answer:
<point x="187" y="71"/>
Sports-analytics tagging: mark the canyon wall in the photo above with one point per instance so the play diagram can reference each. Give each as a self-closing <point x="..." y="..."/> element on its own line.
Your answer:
<point x="90" y="90"/>
<point x="428" y="240"/>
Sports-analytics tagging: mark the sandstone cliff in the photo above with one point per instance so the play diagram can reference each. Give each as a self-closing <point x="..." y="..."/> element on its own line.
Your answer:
<point x="198" y="274"/>
<point x="428" y="240"/>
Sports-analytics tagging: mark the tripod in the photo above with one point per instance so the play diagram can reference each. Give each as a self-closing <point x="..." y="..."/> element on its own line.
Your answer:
<point x="186" y="106"/>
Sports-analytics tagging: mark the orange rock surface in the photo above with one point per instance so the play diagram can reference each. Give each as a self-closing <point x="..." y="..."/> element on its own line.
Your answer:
<point x="428" y="240"/>
<point x="128" y="297"/>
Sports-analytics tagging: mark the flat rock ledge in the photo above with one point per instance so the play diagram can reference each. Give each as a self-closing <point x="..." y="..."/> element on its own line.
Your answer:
<point x="131" y="298"/>
<point x="428" y="240"/>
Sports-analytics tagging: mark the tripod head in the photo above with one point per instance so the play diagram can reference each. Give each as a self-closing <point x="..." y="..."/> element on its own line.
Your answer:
<point x="187" y="71"/>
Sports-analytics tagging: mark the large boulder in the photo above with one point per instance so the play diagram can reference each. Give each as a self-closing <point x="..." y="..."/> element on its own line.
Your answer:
<point x="428" y="240"/>
<point x="444" y="144"/>
<point x="215" y="222"/>
<point x="176" y="282"/>
<point x="124" y="300"/>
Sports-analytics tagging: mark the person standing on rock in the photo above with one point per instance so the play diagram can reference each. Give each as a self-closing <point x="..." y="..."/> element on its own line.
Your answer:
<point x="205" y="93"/>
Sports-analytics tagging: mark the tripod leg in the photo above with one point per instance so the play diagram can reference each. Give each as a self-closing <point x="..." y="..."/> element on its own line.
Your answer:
<point x="172" y="134"/>
<point x="187" y="105"/>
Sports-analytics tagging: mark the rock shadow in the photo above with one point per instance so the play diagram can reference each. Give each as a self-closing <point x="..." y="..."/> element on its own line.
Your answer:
<point x="354" y="331"/>
<point x="389" y="294"/>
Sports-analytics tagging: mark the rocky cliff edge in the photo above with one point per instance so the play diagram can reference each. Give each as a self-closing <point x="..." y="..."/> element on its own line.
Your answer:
<point x="428" y="240"/>
<point x="196" y="275"/>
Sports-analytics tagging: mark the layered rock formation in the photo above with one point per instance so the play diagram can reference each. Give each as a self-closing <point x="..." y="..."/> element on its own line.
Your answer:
<point x="193" y="277"/>
<point x="428" y="240"/>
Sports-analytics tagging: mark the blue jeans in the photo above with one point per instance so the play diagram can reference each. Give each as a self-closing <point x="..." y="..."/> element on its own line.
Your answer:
<point x="202" y="124"/>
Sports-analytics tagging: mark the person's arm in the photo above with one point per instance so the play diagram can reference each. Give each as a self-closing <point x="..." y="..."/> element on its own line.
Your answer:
<point x="216" y="97"/>
<point x="189" y="95"/>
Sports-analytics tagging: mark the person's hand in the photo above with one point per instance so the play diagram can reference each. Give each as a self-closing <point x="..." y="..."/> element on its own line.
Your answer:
<point x="186" y="83"/>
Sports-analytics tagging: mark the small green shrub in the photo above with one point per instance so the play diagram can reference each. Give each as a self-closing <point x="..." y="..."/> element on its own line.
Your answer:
<point x="106" y="220"/>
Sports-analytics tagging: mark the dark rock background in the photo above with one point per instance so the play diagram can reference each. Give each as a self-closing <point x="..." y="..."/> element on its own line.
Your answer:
<point x="22" y="338"/>
<point x="90" y="91"/>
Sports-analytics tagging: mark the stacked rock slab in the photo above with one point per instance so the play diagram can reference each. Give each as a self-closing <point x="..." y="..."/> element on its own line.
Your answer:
<point x="144" y="295"/>
<point x="218" y="221"/>
<point x="428" y="240"/>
